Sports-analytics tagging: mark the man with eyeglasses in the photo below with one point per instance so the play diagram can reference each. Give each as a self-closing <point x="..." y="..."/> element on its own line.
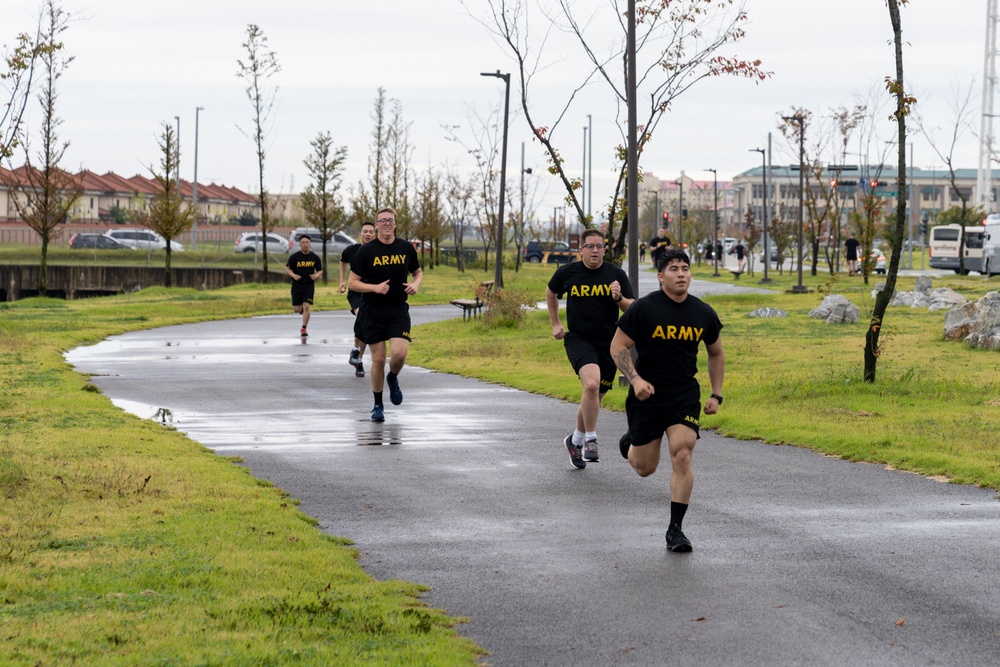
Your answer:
<point x="596" y="293"/>
<point x="379" y="271"/>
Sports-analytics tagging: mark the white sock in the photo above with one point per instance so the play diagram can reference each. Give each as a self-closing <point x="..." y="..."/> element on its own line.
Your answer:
<point x="577" y="437"/>
<point x="591" y="435"/>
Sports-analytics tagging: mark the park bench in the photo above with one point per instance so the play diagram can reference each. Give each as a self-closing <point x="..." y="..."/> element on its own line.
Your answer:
<point x="472" y="307"/>
<point x="736" y="273"/>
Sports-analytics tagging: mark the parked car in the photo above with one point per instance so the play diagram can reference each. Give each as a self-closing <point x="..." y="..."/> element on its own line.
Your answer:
<point x="254" y="242"/>
<point x="559" y="252"/>
<point x="143" y="239"/>
<point x="99" y="241"/>
<point x="877" y="260"/>
<point x="334" y="245"/>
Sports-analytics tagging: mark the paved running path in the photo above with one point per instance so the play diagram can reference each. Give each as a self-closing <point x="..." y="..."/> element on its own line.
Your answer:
<point x="799" y="559"/>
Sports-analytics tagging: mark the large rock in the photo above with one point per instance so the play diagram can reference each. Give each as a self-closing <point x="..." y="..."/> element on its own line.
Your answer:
<point x="836" y="309"/>
<point x="923" y="297"/>
<point x="977" y="323"/>
<point x="923" y="285"/>
<point x="945" y="299"/>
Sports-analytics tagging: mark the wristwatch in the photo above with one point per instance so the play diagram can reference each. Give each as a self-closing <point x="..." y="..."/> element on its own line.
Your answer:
<point x="718" y="398"/>
<point x="620" y="297"/>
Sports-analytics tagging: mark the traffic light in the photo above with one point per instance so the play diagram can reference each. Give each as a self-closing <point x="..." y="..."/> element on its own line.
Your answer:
<point x="666" y="218"/>
<point x="876" y="184"/>
<point x="833" y="183"/>
<point x="923" y="225"/>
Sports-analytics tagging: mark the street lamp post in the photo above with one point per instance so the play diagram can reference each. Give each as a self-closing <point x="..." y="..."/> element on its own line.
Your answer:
<point x="583" y="181"/>
<point x="800" y="120"/>
<point x="767" y="254"/>
<point x="521" y="221"/>
<point x="680" y="211"/>
<point x="715" y="212"/>
<point x="590" y="165"/>
<point x="194" y="184"/>
<point x="498" y="276"/>
<point x="177" y="164"/>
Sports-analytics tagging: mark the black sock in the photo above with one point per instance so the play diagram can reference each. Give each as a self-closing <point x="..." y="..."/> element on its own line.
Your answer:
<point x="390" y="376"/>
<point x="677" y="511"/>
<point x="378" y="397"/>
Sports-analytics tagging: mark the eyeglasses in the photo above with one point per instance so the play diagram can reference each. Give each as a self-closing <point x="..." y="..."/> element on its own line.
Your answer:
<point x="387" y="220"/>
<point x="594" y="246"/>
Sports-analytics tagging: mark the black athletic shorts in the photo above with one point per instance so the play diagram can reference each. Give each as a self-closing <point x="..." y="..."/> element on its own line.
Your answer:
<point x="354" y="300"/>
<point x="303" y="292"/>
<point x="582" y="351"/>
<point x="359" y="329"/>
<point x="384" y="325"/>
<point x="649" y="420"/>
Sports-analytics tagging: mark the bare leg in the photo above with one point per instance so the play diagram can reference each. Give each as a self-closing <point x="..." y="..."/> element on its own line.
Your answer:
<point x="681" y="440"/>
<point x="590" y="401"/>
<point x="378" y="365"/>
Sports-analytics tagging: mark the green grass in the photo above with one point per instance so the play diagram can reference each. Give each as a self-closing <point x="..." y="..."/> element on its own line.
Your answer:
<point x="123" y="542"/>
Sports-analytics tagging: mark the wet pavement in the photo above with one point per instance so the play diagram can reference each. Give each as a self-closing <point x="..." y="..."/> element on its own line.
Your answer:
<point x="799" y="559"/>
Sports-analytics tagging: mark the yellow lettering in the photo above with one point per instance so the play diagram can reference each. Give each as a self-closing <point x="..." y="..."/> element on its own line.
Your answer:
<point x="672" y="332"/>
<point x="698" y="333"/>
<point x="584" y="290"/>
<point x="658" y="333"/>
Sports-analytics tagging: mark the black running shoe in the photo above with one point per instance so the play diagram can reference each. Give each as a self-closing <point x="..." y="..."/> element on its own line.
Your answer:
<point x="359" y="370"/>
<point x="395" y="393"/>
<point x="378" y="415"/>
<point x="676" y="541"/>
<point x="575" y="453"/>
<point x="355" y="355"/>
<point x="303" y="333"/>
<point x="590" y="454"/>
<point x="624" y="443"/>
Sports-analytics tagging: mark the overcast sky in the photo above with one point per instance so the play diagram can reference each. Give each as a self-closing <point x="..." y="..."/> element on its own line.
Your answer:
<point x="139" y="63"/>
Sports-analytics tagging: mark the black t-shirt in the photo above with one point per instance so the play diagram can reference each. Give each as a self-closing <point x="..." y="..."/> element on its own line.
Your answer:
<point x="304" y="265"/>
<point x="590" y="310"/>
<point x="375" y="262"/>
<point x="658" y="245"/>
<point x="666" y="335"/>
<point x="739" y="250"/>
<point x="852" y="248"/>
<point x="345" y="258"/>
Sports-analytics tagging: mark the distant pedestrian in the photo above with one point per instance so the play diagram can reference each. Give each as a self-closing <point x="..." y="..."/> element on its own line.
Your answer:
<point x="596" y="293"/>
<point x="642" y="252"/>
<point x="851" y="254"/>
<point x="741" y="256"/>
<point x="354" y="299"/>
<point x="666" y="328"/>
<point x="379" y="271"/>
<point x="658" y="244"/>
<point x="305" y="268"/>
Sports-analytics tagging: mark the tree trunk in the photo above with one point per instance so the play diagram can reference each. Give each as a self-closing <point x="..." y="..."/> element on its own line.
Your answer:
<point x="43" y="269"/>
<point x="168" y="278"/>
<point x="883" y="297"/>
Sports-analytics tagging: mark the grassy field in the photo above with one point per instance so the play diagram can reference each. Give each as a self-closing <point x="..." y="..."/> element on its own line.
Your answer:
<point x="123" y="542"/>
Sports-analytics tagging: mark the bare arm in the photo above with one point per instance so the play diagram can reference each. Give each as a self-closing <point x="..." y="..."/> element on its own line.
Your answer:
<point x="621" y="353"/>
<point x="716" y="373"/>
<point x="412" y="286"/>
<point x="343" y="283"/>
<point x="355" y="284"/>
<point x="552" y="303"/>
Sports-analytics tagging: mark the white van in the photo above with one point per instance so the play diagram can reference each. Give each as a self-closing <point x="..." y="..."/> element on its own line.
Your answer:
<point x="991" y="245"/>
<point x="142" y="239"/>
<point x="944" y="247"/>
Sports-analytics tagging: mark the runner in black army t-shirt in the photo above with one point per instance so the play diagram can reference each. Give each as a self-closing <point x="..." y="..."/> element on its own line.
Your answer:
<point x="305" y="268"/>
<point x="666" y="327"/>
<point x="379" y="272"/>
<point x="354" y="299"/>
<point x="596" y="292"/>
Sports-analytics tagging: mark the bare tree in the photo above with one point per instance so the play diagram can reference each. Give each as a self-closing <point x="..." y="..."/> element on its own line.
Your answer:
<point x="429" y="216"/>
<point x="19" y="65"/>
<point x="42" y="193"/>
<point x="460" y="205"/>
<point x="320" y="201"/>
<point x="961" y="123"/>
<point x="167" y="215"/>
<point x="678" y="44"/>
<point x="904" y="102"/>
<point x="258" y="68"/>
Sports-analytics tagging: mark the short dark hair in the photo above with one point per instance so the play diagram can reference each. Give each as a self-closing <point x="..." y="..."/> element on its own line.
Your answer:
<point x="306" y="237"/>
<point x="591" y="232"/>
<point x="368" y="222"/>
<point x="669" y="255"/>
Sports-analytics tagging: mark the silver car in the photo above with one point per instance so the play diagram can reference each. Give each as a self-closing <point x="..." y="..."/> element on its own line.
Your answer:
<point x="142" y="239"/>
<point x="335" y="245"/>
<point x="254" y="242"/>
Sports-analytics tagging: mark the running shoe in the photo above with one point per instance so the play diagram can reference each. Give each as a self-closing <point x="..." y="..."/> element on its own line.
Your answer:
<point x="590" y="451"/>
<point x="624" y="443"/>
<point x="575" y="456"/>
<point x="378" y="414"/>
<point x="676" y="541"/>
<point x="355" y="354"/>
<point x="303" y="332"/>
<point x="359" y="370"/>
<point x="395" y="393"/>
